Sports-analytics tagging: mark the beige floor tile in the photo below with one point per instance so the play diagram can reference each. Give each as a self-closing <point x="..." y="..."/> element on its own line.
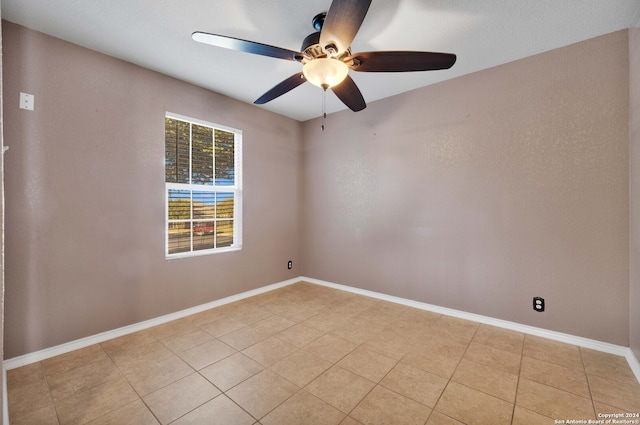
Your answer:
<point x="180" y="397"/>
<point x="382" y="407"/>
<point x="79" y="358"/>
<point x="473" y="407"/>
<point x="147" y="377"/>
<point x="206" y="354"/>
<point x="63" y="383"/>
<point x="382" y="313"/>
<point x="495" y="382"/>
<point x="368" y="364"/>
<point x="494" y="358"/>
<point x="175" y="327"/>
<point x="438" y="418"/>
<point x="302" y="312"/>
<point x="358" y="330"/>
<point x="606" y="409"/>
<point x="460" y="328"/>
<point x="499" y="338"/>
<point x="353" y="305"/>
<point x="340" y="388"/>
<point x="552" y="402"/>
<point x="412" y="332"/>
<point x="389" y="343"/>
<point x="438" y="355"/>
<point x="607" y="366"/>
<point x="42" y="416"/>
<point x="88" y="405"/>
<point x="420" y="317"/>
<point x="129" y="342"/>
<point x="282" y="302"/>
<point x="26" y="376"/>
<point x="190" y="338"/>
<point x="414" y="318"/>
<point x="219" y="411"/>
<point x="301" y="367"/>
<point x="269" y="351"/>
<point x="624" y="395"/>
<point x="414" y="383"/>
<point x="204" y="317"/>
<point x="522" y="416"/>
<point x="127" y="358"/>
<point x="261" y="393"/>
<point x="299" y="335"/>
<point x="231" y="371"/>
<point x="330" y="347"/>
<point x="222" y="326"/>
<point x="135" y="413"/>
<point x="564" y="378"/>
<point x="303" y="408"/>
<point x="28" y="389"/>
<point x="250" y="314"/>
<point x="553" y="352"/>
<point x="350" y="421"/>
<point x="327" y="321"/>
<point x="273" y="324"/>
<point x="244" y="337"/>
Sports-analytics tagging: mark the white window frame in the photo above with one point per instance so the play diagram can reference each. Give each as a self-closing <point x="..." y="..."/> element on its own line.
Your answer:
<point x="236" y="189"/>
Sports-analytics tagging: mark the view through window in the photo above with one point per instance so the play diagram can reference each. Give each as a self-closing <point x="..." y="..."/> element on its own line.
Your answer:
<point x="203" y="187"/>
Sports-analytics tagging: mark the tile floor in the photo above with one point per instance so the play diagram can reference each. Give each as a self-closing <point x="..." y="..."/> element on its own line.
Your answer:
<point x="307" y="355"/>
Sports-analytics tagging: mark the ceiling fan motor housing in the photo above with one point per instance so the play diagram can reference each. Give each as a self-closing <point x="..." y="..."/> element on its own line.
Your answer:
<point x="311" y="45"/>
<point x="311" y="49"/>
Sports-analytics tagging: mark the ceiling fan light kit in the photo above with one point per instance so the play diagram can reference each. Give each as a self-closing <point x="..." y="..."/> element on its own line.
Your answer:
<point x="325" y="72"/>
<point x="326" y="55"/>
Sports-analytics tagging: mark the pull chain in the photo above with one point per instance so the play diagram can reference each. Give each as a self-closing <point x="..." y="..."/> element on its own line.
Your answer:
<point x="324" y="105"/>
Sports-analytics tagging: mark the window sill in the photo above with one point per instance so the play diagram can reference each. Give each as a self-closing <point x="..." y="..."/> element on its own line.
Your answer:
<point x="201" y="253"/>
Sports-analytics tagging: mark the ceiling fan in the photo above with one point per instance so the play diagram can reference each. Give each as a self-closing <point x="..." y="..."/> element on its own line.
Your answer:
<point x="326" y="56"/>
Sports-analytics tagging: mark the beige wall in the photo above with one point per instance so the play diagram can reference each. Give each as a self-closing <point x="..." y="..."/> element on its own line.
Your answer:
<point x="476" y="194"/>
<point x="634" y="193"/>
<point x="85" y="184"/>
<point x="482" y="192"/>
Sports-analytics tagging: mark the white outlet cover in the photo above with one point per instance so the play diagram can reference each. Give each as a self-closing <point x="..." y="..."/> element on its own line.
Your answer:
<point x="27" y="101"/>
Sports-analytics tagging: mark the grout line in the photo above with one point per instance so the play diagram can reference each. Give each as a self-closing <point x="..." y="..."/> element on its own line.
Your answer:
<point x="515" y="398"/>
<point x="584" y="367"/>
<point x="129" y="383"/>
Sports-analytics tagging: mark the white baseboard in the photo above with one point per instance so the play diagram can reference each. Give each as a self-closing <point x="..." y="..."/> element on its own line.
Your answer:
<point x="104" y="336"/>
<point x="633" y="363"/>
<point x="544" y="333"/>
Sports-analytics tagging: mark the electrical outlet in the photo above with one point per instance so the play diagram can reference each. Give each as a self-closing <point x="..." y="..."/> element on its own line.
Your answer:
<point x="290" y="264"/>
<point x="538" y="304"/>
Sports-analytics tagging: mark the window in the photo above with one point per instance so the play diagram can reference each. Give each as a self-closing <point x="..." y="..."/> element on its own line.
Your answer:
<point x="203" y="187"/>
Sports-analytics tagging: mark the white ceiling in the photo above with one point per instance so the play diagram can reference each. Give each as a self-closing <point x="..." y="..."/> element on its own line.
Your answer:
<point x="156" y="34"/>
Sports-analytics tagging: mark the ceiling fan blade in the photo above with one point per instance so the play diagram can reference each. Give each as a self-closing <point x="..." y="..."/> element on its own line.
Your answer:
<point x="349" y="94"/>
<point x="245" y="46"/>
<point x="342" y="23"/>
<point x="402" y="61"/>
<point x="281" y="88"/>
